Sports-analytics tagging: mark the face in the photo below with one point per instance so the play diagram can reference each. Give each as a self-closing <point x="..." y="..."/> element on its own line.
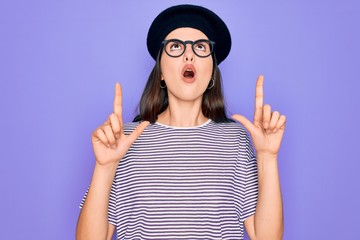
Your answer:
<point x="187" y="76"/>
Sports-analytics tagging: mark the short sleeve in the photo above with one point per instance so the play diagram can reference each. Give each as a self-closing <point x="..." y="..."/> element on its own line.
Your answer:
<point x="112" y="203"/>
<point x="84" y="198"/>
<point x="251" y="183"/>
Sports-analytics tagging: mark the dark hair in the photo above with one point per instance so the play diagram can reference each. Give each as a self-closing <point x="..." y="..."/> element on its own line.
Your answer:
<point x="154" y="99"/>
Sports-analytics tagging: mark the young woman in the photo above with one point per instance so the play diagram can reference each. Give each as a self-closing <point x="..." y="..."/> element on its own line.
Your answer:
<point x="183" y="170"/>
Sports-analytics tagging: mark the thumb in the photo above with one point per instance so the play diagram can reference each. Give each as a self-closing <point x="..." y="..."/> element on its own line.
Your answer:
<point x="244" y="121"/>
<point x="137" y="131"/>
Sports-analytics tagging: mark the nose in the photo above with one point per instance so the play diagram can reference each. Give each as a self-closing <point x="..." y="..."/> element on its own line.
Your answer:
<point x="189" y="54"/>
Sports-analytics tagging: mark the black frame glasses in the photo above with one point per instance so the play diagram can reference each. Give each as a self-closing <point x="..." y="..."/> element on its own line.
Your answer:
<point x="176" y="47"/>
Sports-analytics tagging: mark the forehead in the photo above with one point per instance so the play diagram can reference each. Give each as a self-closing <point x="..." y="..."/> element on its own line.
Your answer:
<point x="186" y="33"/>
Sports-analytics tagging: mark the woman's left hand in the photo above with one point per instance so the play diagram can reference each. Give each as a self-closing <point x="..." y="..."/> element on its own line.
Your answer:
<point x="268" y="128"/>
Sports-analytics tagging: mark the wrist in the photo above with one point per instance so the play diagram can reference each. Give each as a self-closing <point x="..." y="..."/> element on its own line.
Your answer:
<point x="103" y="175"/>
<point x="110" y="167"/>
<point x="266" y="156"/>
<point x="266" y="162"/>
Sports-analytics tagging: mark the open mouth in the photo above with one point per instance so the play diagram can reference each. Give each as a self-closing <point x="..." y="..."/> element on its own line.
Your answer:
<point x="188" y="73"/>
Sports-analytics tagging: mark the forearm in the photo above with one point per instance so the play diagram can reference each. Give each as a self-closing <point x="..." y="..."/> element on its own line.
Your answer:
<point x="268" y="219"/>
<point x="93" y="219"/>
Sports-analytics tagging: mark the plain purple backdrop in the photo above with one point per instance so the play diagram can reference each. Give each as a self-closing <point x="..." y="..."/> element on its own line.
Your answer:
<point x="60" y="60"/>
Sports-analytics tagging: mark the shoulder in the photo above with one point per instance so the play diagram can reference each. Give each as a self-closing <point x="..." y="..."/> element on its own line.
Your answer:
<point x="229" y="128"/>
<point x="232" y="131"/>
<point x="130" y="126"/>
<point x="213" y="128"/>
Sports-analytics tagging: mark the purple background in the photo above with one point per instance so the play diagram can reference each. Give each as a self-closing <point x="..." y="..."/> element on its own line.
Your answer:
<point x="60" y="60"/>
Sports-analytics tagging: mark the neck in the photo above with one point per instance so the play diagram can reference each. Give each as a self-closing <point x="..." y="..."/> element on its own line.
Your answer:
<point x="183" y="114"/>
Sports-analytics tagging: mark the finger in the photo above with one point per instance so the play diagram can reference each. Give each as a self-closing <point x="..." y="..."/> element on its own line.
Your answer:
<point x="110" y="135"/>
<point x="266" y="116"/>
<point x="115" y="125"/>
<point x="274" y="119"/>
<point x="259" y="99"/>
<point x="281" y="123"/>
<point x="118" y="102"/>
<point x="137" y="132"/>
<point x="99" y="133"/>
<point x="245" y="122"/>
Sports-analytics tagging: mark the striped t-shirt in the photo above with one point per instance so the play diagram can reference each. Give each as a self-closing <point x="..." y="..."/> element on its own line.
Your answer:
<point x="185" y="183"/>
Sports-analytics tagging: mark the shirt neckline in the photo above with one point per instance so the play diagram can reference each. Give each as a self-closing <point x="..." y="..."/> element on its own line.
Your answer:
<point x="175" y="127"/>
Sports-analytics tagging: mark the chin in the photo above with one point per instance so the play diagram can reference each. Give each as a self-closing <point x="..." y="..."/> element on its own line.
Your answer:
<point x="190" y="92"/>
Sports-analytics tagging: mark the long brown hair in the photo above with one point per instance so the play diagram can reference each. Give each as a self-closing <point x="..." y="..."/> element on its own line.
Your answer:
<point x="154" y="99"/>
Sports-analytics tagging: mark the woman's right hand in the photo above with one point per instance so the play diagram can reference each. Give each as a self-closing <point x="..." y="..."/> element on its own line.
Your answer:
<point x="109" y="142"/>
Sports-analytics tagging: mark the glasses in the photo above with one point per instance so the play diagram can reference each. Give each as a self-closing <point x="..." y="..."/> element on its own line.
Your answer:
<point x="175" y="47"/>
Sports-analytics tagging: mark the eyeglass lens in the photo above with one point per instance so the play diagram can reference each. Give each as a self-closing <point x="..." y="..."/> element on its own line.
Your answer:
<point x="176" y="48"/>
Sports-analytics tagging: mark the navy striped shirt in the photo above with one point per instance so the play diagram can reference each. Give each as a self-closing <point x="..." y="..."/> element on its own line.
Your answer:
<point x="185" y="183"/>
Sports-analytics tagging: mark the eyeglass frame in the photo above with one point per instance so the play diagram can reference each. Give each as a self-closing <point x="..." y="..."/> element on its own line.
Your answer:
<point x="192" y="43"/>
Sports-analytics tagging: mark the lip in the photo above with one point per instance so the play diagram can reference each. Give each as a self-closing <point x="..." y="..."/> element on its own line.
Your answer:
<point x="192" y="68"/>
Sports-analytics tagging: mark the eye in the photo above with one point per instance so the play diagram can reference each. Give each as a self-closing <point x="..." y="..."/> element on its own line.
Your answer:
<point x="175" y="46"/>
<point x="202" y="46"/>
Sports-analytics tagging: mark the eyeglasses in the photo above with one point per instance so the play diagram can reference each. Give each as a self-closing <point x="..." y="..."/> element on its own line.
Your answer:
<point x="175" y="47"/>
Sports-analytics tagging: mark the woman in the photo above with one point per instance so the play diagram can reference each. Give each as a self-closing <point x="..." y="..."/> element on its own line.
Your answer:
<point x="183" y="170"/>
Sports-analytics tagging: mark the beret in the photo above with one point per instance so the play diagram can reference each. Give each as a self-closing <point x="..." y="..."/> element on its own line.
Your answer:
<point x="189" y="16"/>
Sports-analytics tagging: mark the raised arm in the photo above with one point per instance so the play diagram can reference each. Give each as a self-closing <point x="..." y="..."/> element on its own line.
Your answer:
<point x="266" y="132"/>
<point x="110" y="144"/>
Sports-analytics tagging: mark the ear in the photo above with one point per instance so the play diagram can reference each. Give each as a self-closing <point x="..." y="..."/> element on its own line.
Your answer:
<point x="162" y="77"/>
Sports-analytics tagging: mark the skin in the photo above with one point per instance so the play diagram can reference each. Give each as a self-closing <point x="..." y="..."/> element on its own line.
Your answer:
<point x="185" y="98"/>
<point x="110" y="144"/>
<point x="267" y="131"/>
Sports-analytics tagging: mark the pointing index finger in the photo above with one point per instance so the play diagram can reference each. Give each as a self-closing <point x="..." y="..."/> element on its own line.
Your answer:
<point x="259" y="98"/>
<point x="118" y="100"/>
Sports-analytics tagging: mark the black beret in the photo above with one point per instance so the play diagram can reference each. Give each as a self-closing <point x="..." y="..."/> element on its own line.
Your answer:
<point x="189" y="16"/>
